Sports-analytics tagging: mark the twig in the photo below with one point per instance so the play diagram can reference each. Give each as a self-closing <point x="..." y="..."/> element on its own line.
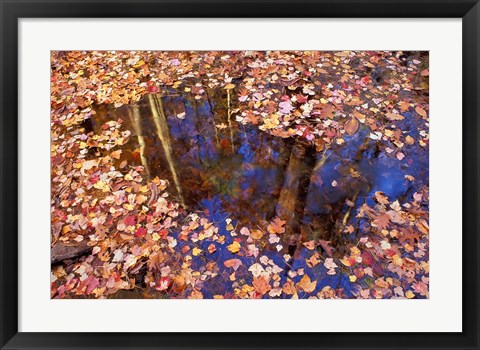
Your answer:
<point x="229" y="114"/>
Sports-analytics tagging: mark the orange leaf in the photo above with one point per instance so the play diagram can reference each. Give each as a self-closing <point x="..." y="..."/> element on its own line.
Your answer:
<point x="211" y="248"/>
<point x="235" y="263"/>
<point x="261" y="285"/>
<point x="351" y="126"/>
<point x="276" y="226"/>
<point x="306" y="284"/>
<point x="289" y="287"/>
<point x="420" y="111"/>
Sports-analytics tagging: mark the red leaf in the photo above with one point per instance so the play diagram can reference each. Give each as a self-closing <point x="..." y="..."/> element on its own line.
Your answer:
<point x="367" y="259"/>
<point x="140" y="232"/>
<point x="129" y="220"/>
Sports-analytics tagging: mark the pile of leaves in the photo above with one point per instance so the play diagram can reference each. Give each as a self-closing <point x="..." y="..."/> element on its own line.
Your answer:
<point x="143" y="241"/>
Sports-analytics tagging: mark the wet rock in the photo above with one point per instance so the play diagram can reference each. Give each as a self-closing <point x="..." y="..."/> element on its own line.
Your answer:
<point x="62" y="251"/>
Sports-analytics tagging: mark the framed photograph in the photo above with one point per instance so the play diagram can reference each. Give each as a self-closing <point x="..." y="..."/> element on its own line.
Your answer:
<point x="249" y="174"/>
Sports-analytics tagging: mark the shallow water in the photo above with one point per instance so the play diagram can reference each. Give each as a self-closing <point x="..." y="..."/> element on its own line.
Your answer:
<point x="243" y="180"/>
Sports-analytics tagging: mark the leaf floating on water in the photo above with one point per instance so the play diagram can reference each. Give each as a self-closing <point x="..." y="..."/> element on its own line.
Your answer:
<point x="234" y="247"/>
<point x="394" y="116"/>
<point x="256" y="269"/>
<point x="421" y="111"/>
<point x="196" y="251"/>
<point x="276" y="226"/>
<point x="306" y="284"/>
<point x="381" y="197"/>
<point x="234" y="263"/>
<point x="261" y="285"/>
<point x="256" y="234"/>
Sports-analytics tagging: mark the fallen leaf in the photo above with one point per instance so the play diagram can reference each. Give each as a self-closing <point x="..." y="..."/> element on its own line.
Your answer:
<point x="256" y="269"/>
<point x="422" y="112"/>
<point x="306" y="284"/>
<point x="196" y="251"/>
<point x="235" y="263"/>
<point x="381" y="197"/>
<point x="234" y="247"/>
<point x="261" y="285"/>
<point x="409" y="140"/>
<point x="256" y="234"/>
<point x="351" y="126"/>
<point x="394" y="116"/>
<point x="276" y="226"/>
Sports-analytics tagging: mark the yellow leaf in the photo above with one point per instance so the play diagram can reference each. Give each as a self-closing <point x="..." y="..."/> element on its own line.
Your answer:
<point x="139" y="64"/>
<point x="306" y="284"/>
<point x="234" y="247"/>
<point x="348" y="261"/>
<point x="397" y="260"/>
<point x="196" y="251"/>
<point x="409" y="294"/>
<point x="256" y="234"/>
<point x="354" y="252"/>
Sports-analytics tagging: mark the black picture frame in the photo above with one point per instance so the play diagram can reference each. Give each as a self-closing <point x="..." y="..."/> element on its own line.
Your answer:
<point x="12" y="11"/>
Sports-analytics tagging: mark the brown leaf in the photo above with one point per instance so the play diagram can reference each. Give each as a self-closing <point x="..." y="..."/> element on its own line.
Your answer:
<point x="421" y="111"/>
<point x="382" y="221"/>
<point x="408" y="234"/>
<point x="351" y="126"/>
<point x="394" y="116"/>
